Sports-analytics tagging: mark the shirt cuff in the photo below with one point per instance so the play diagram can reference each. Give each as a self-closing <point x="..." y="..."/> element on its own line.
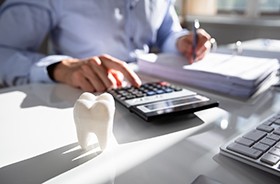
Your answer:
<point x="39" y="71"/>
<point x="170" y="45"/>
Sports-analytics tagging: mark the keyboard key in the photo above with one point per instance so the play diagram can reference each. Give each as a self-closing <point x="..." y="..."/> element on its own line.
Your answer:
<point x="255" y="135"/>
<point x="275" y="151"/>
<point x="244" y="141"/>
<point x="262" y="147"/>
<point x="277" y="121"/>
<point x="267" y="141"/>
<point x="277" y="145"/>
<point x="277" y="131"/>
<point x="274" y="137"/>
<point x="244" y="150"/>
<point x="265" y="128"/>
<point x="270" y="159"/>
<point x="268" y="122"/>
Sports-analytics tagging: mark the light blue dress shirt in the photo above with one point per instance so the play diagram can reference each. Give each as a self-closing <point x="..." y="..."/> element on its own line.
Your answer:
<point x="80" y="29"/>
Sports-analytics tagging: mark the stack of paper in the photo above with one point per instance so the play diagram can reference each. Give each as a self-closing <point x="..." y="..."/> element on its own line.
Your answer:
<point x="233" y="75"/>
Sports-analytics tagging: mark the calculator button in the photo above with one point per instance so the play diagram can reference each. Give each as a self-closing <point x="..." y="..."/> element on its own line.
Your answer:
<point x="150" y="93"/>
<point x="176" y="88"/>
<point x="159" y="91"/>
<point x="129" y="97"/>
<point x="168" y="90"/>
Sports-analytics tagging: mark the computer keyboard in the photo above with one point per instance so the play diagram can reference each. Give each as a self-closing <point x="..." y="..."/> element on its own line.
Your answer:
<point x="259" y="147"/>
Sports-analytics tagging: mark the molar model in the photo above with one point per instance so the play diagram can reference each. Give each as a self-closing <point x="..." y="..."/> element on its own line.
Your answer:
<point x="95" y="114"/>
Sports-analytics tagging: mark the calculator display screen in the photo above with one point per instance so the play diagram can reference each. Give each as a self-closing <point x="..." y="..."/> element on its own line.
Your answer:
<point x="172" y="103"/>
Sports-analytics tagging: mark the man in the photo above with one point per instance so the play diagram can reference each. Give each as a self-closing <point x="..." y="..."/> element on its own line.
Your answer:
<point x="91" y="40"/>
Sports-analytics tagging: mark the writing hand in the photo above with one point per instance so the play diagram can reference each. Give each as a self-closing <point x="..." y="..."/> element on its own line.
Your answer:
<point x="95" y="74"/>
<point x="184" y="45"/>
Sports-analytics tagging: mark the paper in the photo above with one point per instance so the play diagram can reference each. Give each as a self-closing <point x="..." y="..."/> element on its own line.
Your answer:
<point x="231" y="74"/>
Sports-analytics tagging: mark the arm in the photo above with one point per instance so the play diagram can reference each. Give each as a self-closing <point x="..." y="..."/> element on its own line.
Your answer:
<point x="20" y="63"/>
<point x="170" y="30"/>
<point x="22" y="29"/>
<point x="172" y="38"/>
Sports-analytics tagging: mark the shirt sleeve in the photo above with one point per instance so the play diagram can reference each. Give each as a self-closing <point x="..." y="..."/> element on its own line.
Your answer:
<point x="23" y="27"/>
<point x="39" y="73"/>
<point x="169" y="31"/>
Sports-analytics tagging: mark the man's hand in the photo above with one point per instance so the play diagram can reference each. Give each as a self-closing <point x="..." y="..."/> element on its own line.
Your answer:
<point x="95" y="74"/>
<point x="184" y="45"/>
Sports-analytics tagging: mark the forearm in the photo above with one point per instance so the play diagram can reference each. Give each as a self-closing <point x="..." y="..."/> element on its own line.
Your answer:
<point x="22" y="67"/>
<point x="169" y="31"/>
<point x="23" y="28"/>
<point x="15" y="66"/>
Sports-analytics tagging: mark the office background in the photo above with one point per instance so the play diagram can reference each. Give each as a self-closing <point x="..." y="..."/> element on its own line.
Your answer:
<point x="226" y="19"/>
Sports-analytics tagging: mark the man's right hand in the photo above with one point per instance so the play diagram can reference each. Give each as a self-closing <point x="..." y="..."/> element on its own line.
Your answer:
<point x="95" y="74"/>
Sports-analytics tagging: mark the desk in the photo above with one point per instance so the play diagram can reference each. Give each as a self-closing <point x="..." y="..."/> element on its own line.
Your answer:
<point x="38" y="141"/>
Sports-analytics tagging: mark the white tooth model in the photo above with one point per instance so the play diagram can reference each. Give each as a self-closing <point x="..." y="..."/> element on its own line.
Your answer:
<point x="95" y="114"/>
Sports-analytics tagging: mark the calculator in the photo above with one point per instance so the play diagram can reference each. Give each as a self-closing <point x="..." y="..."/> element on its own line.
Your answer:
<point x="156" y="100"/>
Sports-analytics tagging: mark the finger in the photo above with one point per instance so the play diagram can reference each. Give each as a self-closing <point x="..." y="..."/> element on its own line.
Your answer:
<point x="113" y="79"/>
<point x="113" y="63"/>
<point x="101" y="72"/>
<point x="203" y="35"/>
<point x="190" y="58"/>
<point x="185" y="43"/>
<point x="85" y="85"/>
<point x="201" y="56"/>
<point x="203" y="50"/>
<point x="81" y="82"/>
<point x="118" y="76"/>
<point x="93" y="78"/>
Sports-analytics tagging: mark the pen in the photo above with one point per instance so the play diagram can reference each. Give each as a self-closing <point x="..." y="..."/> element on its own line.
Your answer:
<point x="195" y="37"/>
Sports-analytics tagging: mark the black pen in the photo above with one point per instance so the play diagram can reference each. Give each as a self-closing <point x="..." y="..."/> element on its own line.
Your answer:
<point x="195" y="37"/>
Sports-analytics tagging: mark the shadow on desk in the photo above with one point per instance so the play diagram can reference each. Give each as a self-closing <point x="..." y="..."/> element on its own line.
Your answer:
<point x="128" y="127"/>
<point x="45" y="166"/>
<point x="49" y="95"/>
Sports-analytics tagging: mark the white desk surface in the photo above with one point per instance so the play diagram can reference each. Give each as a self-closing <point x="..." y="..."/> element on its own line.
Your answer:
<point x="38" y="141"/>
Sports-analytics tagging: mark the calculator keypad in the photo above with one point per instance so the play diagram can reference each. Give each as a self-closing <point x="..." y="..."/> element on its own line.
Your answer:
<point x="149" y="89"/>
<point x="149" y="92"/>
